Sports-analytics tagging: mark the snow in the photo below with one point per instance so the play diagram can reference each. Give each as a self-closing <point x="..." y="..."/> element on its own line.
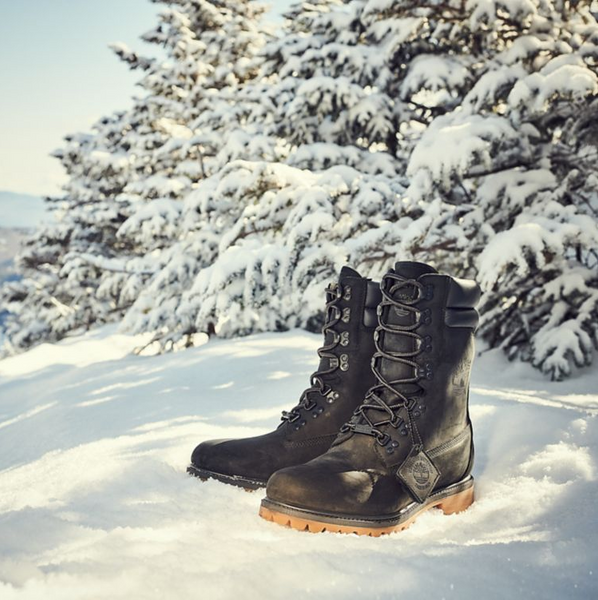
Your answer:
<point x="564" y="75"/>
<point x="434" y="73"/>
<point x="452" y="144"/>
<point x="95" y="502"/>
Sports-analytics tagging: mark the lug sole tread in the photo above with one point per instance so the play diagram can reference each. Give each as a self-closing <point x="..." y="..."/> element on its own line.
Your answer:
<point x="249" y="485"/>
<point x="449" y="505"/>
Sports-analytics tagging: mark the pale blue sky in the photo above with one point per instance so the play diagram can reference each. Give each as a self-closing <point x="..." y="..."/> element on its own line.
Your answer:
<point x="58" y="76"/>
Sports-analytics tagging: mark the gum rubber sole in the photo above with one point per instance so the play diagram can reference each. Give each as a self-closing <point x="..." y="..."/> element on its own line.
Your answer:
<point x="451" y="500"/>
<point x="237" y="480"/>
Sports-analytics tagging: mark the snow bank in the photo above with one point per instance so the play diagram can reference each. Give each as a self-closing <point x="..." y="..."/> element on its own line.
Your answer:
<point x="95" y="502"/>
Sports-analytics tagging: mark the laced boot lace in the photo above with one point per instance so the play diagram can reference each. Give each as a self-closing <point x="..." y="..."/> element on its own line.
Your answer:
<point x="364" y="420"/>
<point x="333" y="315"/>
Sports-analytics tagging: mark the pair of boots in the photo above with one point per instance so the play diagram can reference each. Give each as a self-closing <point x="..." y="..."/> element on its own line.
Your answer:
<point x="383" y="432"/>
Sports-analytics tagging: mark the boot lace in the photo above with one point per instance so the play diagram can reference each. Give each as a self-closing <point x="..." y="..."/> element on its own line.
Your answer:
<point x="318" y="386"/>
<point x="363" y="421"/>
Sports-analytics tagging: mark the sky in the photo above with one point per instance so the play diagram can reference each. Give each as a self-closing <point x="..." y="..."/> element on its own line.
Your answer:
<point x="58" y="76"/>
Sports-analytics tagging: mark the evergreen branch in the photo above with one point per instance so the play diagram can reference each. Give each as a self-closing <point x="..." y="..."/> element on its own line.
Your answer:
<point x="104" y="265"/>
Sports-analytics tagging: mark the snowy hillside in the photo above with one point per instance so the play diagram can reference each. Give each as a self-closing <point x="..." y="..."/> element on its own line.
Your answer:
<point x="95" y="502"/>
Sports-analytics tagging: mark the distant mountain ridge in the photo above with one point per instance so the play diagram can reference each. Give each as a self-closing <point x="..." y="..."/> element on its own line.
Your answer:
<point x="21" y="211"/>
<point x="11" y="242"/>
<point x="20" y="214"/>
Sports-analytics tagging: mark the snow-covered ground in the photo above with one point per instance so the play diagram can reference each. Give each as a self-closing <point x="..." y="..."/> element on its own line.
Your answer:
<point x="95" y="502"/>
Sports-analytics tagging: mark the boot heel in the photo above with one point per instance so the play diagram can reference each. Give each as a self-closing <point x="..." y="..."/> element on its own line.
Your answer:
<point x="457" y="503"/>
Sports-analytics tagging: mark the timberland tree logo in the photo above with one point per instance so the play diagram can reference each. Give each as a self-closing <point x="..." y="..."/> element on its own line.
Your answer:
<point x="407" y="298"/>
<point x="421" y="474"/>
<point x="461" y="373"/>
<point x="401" y="312"/>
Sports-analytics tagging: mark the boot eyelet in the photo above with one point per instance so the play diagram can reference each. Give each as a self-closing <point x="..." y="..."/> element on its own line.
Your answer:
<point x="317" y="412"/>
<point x="427" y="343"/>
<point x="332" y="396"/>
<point x="410" y="404"/>
<point x="417" y="414"/>
<point x="310" y="405"/>
<point x="426" y="316"/>
<point x="383" y="439"/>
<point x="404" y="432"/>
<point x="344" y="362"/>
<point x="334" y="363"/>
<point x="396" y="422"/>
<point x="429" y="370"/>
<point x="429" y="293"/>
<point x="390" y="450"/>
<point x="347" y="294"/>
<point x="426" y="371"/>
<point x="345" y="338"/>
<point x="346" y="315"/>
<point x="394" y="444"/>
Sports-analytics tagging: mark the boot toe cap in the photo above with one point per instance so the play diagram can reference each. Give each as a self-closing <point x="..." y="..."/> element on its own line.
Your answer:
<point x="347" y="492"/>
<point x="211" y="456"/>
<point x="253" y="458"/>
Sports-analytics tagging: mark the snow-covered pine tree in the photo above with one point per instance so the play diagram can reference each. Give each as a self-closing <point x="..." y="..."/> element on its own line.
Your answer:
<point x="57" y="292"/>
<point x="183" y="120"/>
<point x="325" y="102"/>
<point x="214" y="111"/>
<point x="122" y="200"/>
<point x="330" y="100"/>
<point x="508" y="92"/>
<point x="246" y="205"/>
<point x="491" y="106"/>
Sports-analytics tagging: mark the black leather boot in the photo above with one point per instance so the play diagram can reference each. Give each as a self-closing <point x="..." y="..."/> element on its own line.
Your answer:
<point x="337" y="389"/>
<point x="409" y="446"/>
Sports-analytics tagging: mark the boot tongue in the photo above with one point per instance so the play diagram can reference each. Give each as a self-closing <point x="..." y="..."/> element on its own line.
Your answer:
<point x="400" y="343"/>
<point x="393" y="370"/>
<point x="348" y="272"/>
<point x="412" y="270"/>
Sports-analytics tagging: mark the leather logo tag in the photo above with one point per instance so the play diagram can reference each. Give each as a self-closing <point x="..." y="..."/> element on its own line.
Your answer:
<point x="461" y="373"/>
<point x="419" y="474"/>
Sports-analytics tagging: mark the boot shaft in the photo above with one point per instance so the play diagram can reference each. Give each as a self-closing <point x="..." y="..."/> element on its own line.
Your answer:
<point x="350" y="321"/>
<point x="424" y="350"/>
<point x="425" y="344"/>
